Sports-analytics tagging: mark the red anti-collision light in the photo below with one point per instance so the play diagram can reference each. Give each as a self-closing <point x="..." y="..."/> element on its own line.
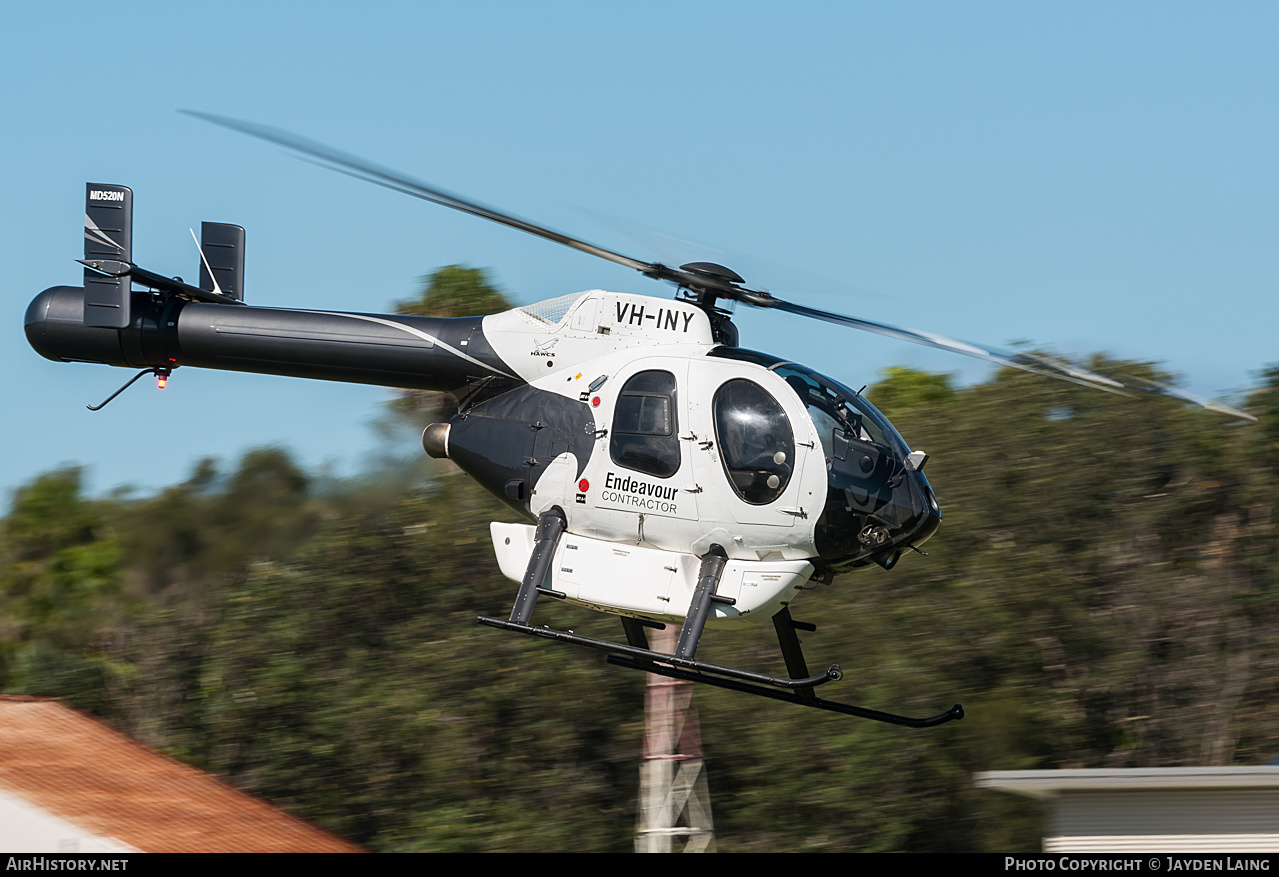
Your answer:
<point x="161" y="380"/>
<point x="583" y="485"/>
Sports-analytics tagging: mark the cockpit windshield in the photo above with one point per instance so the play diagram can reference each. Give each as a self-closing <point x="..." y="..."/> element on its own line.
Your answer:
<point x="877" y="502"/>
<point x="831" y="405"/>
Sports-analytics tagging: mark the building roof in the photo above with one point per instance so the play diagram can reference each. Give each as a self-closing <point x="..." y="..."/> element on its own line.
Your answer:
<point x="1045" y="784"/>
<point x="81" y="771"/>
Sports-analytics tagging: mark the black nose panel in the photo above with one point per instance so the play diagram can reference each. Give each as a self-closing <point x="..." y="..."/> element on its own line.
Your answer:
<point x="874" y="503"/>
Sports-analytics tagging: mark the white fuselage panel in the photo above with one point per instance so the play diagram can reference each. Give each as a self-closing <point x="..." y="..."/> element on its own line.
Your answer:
<point x="649" y="582"/>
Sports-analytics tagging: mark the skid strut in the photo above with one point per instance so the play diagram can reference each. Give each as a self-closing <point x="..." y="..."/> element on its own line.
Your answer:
<point x="550" y="526"/>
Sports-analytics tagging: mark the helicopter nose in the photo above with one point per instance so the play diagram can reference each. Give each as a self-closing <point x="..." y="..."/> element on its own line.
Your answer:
<point x="876" y="509"/>
<point x="911" y="509"/>
<point x="908" y="518"/>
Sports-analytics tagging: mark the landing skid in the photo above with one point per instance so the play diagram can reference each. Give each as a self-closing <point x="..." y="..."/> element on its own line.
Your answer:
<point x="798" y="688"/>
<point x="797" y="691"/>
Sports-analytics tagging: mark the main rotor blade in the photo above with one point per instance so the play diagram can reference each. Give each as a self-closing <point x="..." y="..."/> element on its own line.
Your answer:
<point x="1037" y="364"/>
<point x="1030" y="362"/>
<point x="362" y="169"/>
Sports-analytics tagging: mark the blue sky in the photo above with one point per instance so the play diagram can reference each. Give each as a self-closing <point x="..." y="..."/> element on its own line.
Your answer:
<point x="1094" y="177"/>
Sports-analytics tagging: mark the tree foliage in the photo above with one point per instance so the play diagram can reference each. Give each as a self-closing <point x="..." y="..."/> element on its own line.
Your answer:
<point x="60" y="587"/>
<point x="452" y="292"/>
<point x="456" y="291"/>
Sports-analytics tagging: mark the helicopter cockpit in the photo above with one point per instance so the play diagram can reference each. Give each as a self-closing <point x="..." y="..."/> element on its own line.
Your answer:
<point x="878" y="502"/>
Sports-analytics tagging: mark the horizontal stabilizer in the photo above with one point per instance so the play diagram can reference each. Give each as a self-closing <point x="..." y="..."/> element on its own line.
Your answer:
<point x="129" y="272"/>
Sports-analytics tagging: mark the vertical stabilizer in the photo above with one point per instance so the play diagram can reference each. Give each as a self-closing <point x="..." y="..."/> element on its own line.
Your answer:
<point x="223" y="247"/>
<point x="108" y="235"/>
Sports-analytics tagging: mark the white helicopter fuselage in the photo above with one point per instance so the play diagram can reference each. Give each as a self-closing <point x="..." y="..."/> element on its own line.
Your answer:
<point x="633" y="540"/>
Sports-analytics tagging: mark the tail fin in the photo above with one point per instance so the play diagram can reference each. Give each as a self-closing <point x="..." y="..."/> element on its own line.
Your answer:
<point x="108" y="234"/>
<point x="223" y="247"/>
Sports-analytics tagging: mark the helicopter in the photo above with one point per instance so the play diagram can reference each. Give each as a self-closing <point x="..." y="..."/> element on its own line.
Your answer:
<point x="669" y="475"/>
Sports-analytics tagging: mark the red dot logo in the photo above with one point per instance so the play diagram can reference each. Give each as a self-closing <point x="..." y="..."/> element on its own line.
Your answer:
<point x="583" y="485"/>
<point x="595" y="403"/>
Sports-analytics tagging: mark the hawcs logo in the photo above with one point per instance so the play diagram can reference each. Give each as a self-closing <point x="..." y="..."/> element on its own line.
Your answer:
<point x="102" y="195"/>
<point x="543" y="348"/>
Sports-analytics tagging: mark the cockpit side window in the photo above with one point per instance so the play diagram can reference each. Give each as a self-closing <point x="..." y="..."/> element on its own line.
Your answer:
<point x="833" y="405"/>
<point x="755" y="440"/>
<point x="645" y="433"/>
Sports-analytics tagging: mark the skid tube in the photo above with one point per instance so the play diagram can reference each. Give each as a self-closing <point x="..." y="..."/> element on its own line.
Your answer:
<point x="797" y="691"/>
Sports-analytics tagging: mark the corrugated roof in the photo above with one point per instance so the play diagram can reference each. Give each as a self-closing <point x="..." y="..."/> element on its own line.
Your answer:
<point x="81" y="770"/>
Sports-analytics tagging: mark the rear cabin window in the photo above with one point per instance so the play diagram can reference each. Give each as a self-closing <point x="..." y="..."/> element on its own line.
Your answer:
<point x="644" y="436"/>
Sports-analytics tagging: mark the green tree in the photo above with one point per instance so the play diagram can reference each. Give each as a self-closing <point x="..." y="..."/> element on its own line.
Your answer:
<point x="1264" y="405"/>
<point x="902" y="389"/>
<point x="60" y="584"/>
<point x="184" y="550"/>
<point x="451" y="292"/>
<point x="456" y="291"/>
